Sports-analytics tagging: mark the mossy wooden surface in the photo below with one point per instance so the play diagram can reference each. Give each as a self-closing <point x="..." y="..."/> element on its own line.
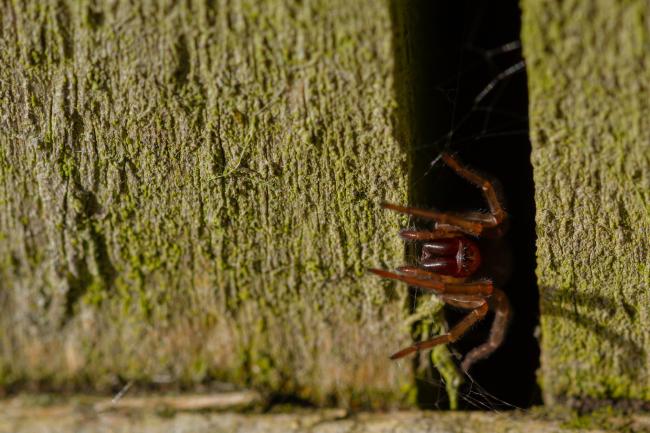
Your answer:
<point x="589" y="77"/>
<point x="190" y="191"/>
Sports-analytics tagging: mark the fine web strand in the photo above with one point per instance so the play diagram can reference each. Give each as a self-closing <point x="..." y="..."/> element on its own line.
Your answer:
<point x="485" y="103"/>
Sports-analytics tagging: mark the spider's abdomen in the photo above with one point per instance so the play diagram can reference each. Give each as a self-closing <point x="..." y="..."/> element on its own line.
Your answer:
<point x="456" y="257"/>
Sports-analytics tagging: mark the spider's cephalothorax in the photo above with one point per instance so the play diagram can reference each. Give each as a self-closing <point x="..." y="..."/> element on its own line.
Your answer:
<point x="450" y="257"/>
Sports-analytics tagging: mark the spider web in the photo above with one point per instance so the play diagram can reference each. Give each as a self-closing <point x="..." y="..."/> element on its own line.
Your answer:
<point x="480" y="113"/>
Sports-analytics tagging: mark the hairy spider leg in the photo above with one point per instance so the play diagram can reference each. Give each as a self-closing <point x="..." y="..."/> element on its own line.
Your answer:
<point x="454" y="334"/>
<point x="422" y="273"/>
<point x="444" y="221"/>
<point x="427" y="235"/>
<point x="466" y="302"/>
<point x="449" y="222"/>
<point x="496" y="209"/>
<point x="483" y="287"/>
<point x="499" y="304"/>
<point x="455" y="300"/>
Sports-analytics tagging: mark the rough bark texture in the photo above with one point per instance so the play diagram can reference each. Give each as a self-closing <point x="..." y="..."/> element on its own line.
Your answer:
<point x="189" y="191"/>
<point x="589" y="78"/>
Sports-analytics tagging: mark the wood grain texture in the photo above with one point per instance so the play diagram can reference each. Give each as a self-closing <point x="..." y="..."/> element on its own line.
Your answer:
<point x="190" y="192"/>
<point x="155" y="414"/>
<point x="589" y="80"/>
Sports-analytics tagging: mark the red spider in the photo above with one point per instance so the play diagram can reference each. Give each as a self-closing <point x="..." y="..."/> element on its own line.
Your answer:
<point x="450" y="256"/>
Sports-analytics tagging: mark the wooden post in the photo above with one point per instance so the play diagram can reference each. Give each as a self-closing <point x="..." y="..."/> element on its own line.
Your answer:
<point x="190" y="192"/>
<point x="589" y="78"/>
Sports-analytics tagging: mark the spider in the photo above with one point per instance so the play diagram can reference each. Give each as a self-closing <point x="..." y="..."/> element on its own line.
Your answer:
<point x="450" y="257"/>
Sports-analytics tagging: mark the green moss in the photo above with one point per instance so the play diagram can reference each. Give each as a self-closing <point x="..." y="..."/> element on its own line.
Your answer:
<point x="195" y="179"/>
<point x="606" y="418"/>
<point x="589" y="122"/>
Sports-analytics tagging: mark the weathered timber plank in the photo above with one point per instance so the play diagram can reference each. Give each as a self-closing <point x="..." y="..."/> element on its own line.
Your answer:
<point x="589" y="81"/>
<point x="189" y="191"/>
<point x="81" y="415"/>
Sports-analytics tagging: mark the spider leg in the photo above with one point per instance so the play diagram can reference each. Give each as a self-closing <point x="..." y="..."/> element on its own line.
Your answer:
<point x="499" y="303"/>
<point x="498" y="215"/>
<point x="483" y="288"/>
<point x="466" y="302"/>
<point x="444" y="221"/>
<point x="454" y="334"/>
<point x="423" y="273"/>
<point x="427" y="235"/>
<point x="473" y="223"/>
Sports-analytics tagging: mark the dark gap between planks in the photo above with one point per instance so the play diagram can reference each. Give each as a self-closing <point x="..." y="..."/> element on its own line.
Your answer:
<point x="446" y="64"/>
